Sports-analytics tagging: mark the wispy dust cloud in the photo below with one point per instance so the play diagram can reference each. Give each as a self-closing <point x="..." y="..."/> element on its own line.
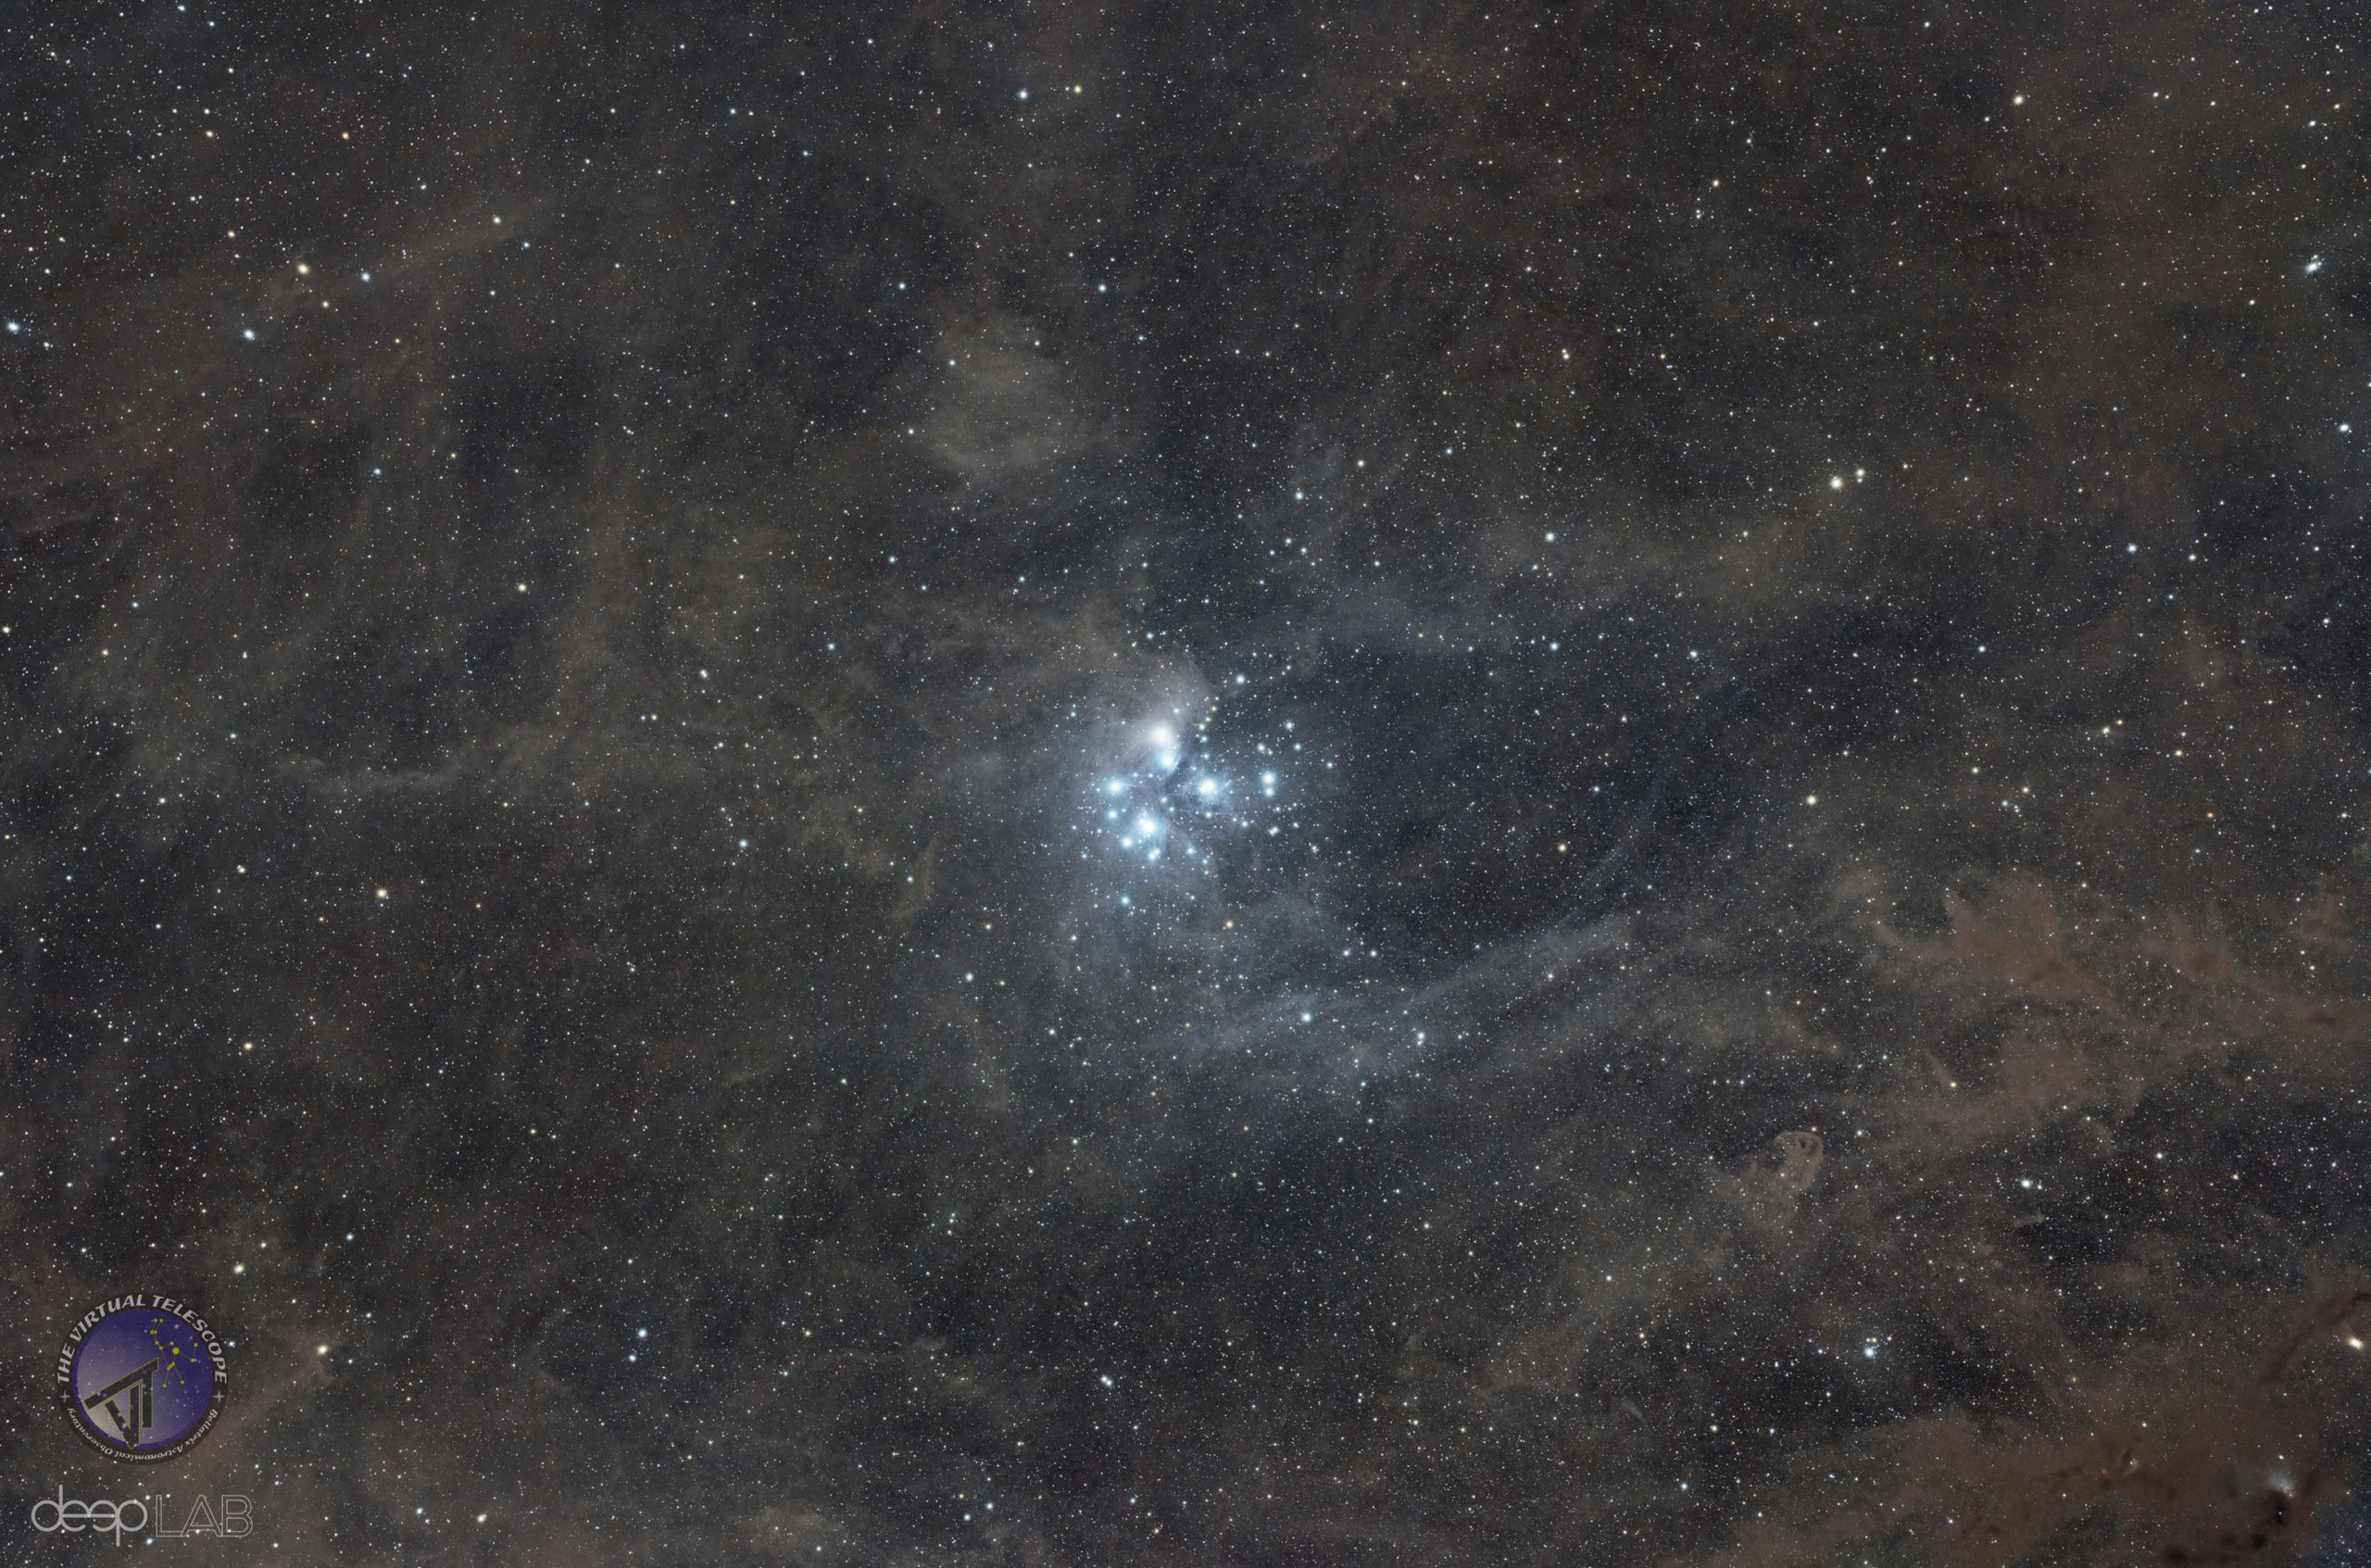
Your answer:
<point x="1567" y="787"/>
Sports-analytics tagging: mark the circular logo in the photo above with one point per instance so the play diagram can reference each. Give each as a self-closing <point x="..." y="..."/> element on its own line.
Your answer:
<point x="143" y="1377"/>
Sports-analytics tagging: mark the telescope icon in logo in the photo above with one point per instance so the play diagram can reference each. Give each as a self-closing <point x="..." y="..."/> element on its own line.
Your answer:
<point x="139" y="1388"/>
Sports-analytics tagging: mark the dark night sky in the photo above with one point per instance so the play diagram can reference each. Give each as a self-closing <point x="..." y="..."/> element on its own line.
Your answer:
<point x="1338" y="785"/>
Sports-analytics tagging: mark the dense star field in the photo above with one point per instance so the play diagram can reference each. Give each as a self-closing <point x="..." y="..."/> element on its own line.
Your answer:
<point x="1345" y="784"/>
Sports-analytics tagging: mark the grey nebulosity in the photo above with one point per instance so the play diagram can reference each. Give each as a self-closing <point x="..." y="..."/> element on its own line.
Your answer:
<point x="1066" y="785"/>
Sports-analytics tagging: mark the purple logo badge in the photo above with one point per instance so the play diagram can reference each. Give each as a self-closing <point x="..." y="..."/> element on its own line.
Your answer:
<point x="143" y="1377"/>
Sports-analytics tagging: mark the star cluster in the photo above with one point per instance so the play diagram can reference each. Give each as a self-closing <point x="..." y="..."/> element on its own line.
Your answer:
<point x="1337" y="784"/>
